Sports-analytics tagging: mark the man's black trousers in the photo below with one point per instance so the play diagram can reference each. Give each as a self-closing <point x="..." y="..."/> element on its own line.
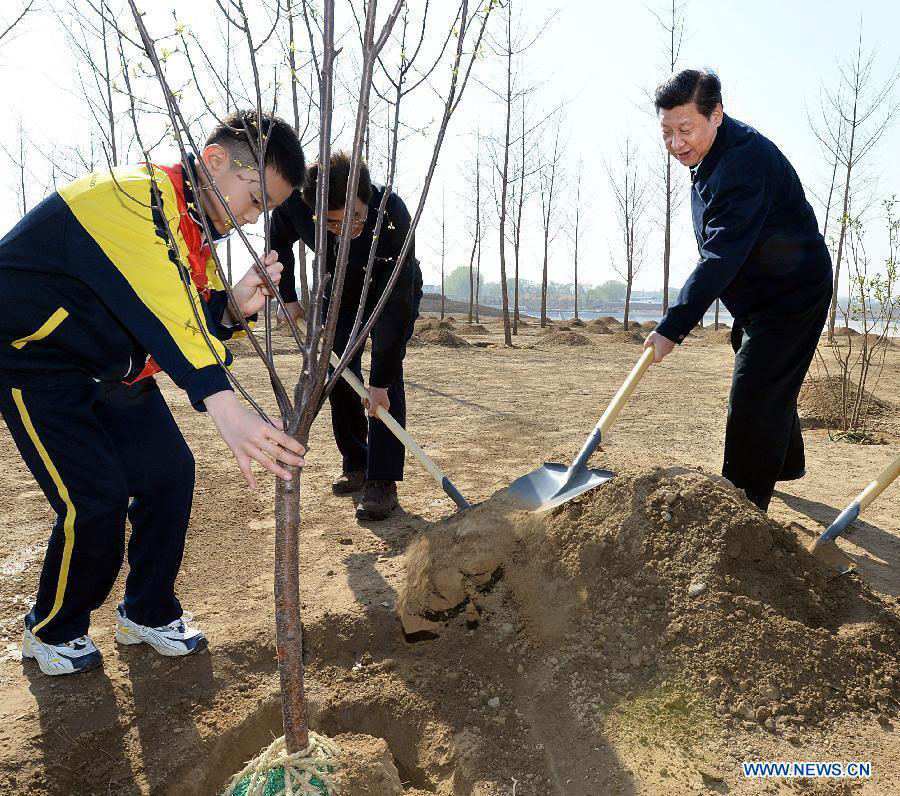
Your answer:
<point x="763" y="443"/>
<point x="365" y="442"/>
<point x="90" y="448"/>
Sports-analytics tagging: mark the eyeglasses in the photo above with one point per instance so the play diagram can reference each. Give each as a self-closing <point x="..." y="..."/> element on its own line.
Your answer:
<point x="335" y="226"/>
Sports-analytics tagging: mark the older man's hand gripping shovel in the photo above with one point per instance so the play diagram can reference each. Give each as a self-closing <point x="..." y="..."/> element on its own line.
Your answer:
<point x="554" y="484"/>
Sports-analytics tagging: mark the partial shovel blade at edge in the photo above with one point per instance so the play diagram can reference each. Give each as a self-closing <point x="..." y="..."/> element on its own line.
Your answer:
<point x="833" y="557"/>
<point x="554" y="484"/>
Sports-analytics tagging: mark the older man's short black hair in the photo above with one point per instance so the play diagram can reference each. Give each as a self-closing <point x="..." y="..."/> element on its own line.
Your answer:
<point x="700" y="86"/>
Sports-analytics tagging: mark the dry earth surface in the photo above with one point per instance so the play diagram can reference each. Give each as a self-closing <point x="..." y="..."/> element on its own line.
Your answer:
<point x="645" y="639"/>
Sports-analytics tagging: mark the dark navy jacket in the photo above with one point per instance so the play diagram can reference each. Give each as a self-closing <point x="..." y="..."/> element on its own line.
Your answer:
<point x="760" y="246"/>
<point x="293" y="221"/>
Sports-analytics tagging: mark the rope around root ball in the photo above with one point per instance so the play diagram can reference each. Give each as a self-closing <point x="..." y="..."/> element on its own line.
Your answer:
<point x="317" y="762"/>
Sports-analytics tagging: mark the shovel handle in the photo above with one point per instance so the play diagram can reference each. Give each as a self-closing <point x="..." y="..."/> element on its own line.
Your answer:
<point x="612" y="411"/>
<point x="403" y="435"/>
<point x="848" y="516"/>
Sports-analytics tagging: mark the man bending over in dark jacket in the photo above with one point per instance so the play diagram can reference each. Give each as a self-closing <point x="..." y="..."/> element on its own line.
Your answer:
<point x="372" y="457"/>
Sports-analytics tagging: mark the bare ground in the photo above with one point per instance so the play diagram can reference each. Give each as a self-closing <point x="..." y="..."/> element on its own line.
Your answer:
<point x="146" y="725"/>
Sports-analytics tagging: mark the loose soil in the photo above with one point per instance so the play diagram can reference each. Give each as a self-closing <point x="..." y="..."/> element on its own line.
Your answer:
<point x="643" y="639"/>
<point x="629" y="337"/>
<point x="566" y="337"/>
<point x="820" y="403"/>
<point x="472" y="328"/>
<point x="440" y="336"/>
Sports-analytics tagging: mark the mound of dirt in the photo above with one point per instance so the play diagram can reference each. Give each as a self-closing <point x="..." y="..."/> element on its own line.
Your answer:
<point x="561" y="337"/>
<point x="442" y="337"/>
<point x="720" y="337"/>
<point x="649" y="326"/>
<point x="424" y="324"/>
<point x="577" y="323"/>
<point x="555" y="326"/>
<point x="821" y="400"/>
<point x="622" y="336"/>
<point x="472" y="328"/>
<point x="599" y="328"/>
<point x="608" y="319"/>
<point x="669" y="584"/>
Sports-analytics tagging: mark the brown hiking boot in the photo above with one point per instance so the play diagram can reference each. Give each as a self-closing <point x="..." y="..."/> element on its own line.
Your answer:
<point x="349" y="482"/>
<point x="378" y="501"/>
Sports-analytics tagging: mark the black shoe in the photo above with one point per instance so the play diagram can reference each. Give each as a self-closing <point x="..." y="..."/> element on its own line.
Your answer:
<point x="794" y="476"/>
<point x="349" y="482"/>
<point x="378" y="501"/>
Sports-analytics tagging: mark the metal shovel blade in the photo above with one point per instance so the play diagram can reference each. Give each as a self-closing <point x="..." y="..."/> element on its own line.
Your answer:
<point x="553" y="484"/>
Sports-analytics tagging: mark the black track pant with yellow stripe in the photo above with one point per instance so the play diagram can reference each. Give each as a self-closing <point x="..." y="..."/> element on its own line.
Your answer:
<point x="91" y="448"/>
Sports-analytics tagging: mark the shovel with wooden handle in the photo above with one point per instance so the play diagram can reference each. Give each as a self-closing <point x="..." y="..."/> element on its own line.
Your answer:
<point x="824" y="547"/>
<point x="403" y="435"/>
<point x="554" y="484"/>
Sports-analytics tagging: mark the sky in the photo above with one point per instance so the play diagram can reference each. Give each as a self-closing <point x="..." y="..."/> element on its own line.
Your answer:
<point x="599" y="59"/>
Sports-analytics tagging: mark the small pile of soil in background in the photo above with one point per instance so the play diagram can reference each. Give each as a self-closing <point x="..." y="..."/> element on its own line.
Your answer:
<point x="441" y="336"/>
<point x="630" y="336"/>
<point x="566" y="337"/>
<point x="608" y="319"/>
<point x="874" y="340"/>
<point x="553" y="326"/>
<point x="668" y="586"/>
<point x="649" y="326"/>
<point x="423" y="324"/>
<point x="577" y="323"/>
<point x="597" y="326"/>
<point x="820" y="402"/>
<point x="472" y="328"/>
<point x="710" y="336"/>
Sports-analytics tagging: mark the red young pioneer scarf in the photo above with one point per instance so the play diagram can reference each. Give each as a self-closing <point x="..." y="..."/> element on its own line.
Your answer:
<point x="198" y="251"/>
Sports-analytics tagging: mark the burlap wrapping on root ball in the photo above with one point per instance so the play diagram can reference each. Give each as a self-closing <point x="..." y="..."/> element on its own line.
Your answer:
<point x="274" y="772"/>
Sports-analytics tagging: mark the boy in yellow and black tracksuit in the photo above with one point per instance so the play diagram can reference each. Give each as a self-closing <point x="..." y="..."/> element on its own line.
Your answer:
<point x="90" y="290"/>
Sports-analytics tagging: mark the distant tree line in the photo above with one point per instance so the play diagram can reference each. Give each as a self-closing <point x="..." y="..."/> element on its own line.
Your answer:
<point x="559" y="295"/>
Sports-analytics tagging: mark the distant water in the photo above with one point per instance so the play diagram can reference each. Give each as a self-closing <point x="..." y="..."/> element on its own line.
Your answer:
<point x="642" y="314"/>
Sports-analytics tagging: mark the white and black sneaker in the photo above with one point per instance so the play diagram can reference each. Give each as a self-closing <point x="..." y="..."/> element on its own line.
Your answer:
<point x="73" y="657"/>
<point x="175" y="639"/>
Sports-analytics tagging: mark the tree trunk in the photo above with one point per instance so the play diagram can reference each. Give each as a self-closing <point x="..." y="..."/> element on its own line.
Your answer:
<point x="544" y="280"/>
<point x="716" y="321"/>
<point x="832" y="311"/>
<point x="667" y="241"/>
<point x="304" y="281"/>
<point x="504" y="188"/>
<point x="477" y="281"/>
<point x="288" y="626"/>
<point x="472" y="278"/>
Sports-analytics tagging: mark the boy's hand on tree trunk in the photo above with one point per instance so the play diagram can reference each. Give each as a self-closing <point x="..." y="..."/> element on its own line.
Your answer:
<point x="248" y="437"/>
<point x="251" y="290"/>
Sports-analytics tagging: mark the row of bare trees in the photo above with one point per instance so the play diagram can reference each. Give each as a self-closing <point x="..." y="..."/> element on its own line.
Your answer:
<point x="150" y="81"/>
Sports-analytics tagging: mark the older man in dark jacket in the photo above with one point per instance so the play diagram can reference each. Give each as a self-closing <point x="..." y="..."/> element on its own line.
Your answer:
<point x="761" y="252"/>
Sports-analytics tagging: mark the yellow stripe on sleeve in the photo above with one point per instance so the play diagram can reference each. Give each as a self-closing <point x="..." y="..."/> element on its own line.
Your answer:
<point x="68" y="522"/>
<point x="47" y="328"/>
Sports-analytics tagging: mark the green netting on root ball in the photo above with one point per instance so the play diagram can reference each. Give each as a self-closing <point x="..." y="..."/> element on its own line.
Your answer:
<point x="276" y="773"/>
